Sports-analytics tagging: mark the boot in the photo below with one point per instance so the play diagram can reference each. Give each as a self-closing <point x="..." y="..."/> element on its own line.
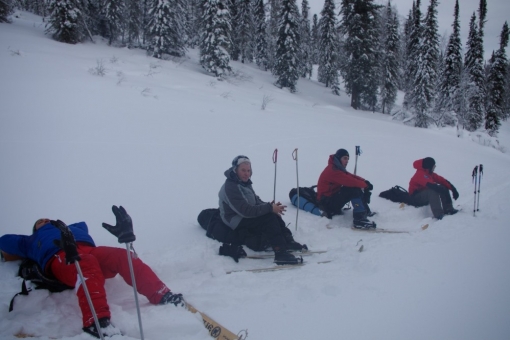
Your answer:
<point x="282" y="257"/>
<point x="106" y="328"/>
<point x="292" y="245"/>
<point x="361" y="221"/>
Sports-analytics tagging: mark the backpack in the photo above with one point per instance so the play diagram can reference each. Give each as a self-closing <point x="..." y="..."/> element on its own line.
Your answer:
<point x="29" y="270"/>
<point x="210" y="220"/>
<point x="307" y="199"/>
<point x="398" y="194"/>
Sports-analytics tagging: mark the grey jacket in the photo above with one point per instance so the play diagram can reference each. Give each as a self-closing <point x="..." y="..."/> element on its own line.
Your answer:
<point x="238" y="200"/>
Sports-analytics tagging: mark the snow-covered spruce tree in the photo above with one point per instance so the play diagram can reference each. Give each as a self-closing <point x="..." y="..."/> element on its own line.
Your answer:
<point x="449" y="93"/>
<point x="498" y="78"/>
<point x="272" y="27"/>
<point x="305" y="36"/>
<point x="245" y="28"/>
<point x="390" y="61"/>
<point x="286" y="68"/>
<point x="425" y="77"/>
<point x="328" y="47"/>
<point x="261" y="51"/>
<point x="134" y="22"/>
<point x="66" y="22"/>
<point x="165" y="29"/>
<point x="361" y="69"/>
<point x="506" y="109"/>
<point x="215" y="40"/>
<point x="5" y="10"/>
<point x="473" y="63"/>
<point x="314" y="41"/>
<point x="192" y="22"/>
<point x="413" y="33"/>
<point x="114" y="12"/>
<point x="232" y="9"/>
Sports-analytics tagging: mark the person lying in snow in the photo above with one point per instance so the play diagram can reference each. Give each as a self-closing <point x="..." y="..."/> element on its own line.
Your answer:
<point x="97" y="264"/>
<point x="336" y="187"/>
<point x="243" y="211"/>
<point x="427" y="187"/>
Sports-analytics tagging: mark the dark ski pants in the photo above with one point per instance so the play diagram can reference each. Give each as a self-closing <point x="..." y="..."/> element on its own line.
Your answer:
<point x="98" y="264"/>
<point x="439" y="202"/>
<point x="271" y="226"/>
<point x="333" y="205"/>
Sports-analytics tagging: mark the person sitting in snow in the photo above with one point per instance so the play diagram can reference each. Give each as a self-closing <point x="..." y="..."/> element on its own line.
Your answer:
<point x="427" y="187"/>
<point x="336" y="187"/>
<point x="97" y="263"/>
<point x="243" y="211"/>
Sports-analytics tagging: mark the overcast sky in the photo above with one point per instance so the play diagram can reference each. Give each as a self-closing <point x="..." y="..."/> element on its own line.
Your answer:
<point x="498" y="11"/>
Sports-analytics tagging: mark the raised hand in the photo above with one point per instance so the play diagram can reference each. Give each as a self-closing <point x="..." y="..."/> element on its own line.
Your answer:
<point x="123" y="229"/>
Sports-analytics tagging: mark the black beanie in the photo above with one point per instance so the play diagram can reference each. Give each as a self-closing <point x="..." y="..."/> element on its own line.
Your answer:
<point x="428" y="163"/>
<point x="340" y="153"/>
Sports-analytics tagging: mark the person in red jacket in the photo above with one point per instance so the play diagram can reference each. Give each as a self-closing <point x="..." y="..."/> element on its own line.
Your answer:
<point x="97" y="264"/>
<point x="427" y="187"/>
<point x="336" y="187"/>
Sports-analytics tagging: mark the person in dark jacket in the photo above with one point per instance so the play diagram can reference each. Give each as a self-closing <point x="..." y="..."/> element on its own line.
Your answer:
<point x="97" y="264"/>
<point x="243" y="211"/>
<point x="427" y="187"/>
<point x="336" y="187"/>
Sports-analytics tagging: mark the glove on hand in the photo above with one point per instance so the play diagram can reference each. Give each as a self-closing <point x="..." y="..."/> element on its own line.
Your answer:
<point x="66" y="242"/>
<point x="369" y="186"/>
<point x="234" y="251"/>
<point x="175" y="299"/>
<point x="123" y="230"/>
<point x="437" y="188"/>
<point x="455" y="193"/>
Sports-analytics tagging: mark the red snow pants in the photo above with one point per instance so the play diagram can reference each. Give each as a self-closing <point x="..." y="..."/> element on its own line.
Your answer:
<point x="98" y="264"/>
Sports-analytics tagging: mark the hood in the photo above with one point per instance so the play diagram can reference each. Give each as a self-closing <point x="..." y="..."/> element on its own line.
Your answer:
<point x="230" y="174"/>
<point x="335" y="162"/>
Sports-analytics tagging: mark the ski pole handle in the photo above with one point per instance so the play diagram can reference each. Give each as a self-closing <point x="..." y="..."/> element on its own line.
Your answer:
<point x="275" y="160"/>
<point x="295" y="157"/>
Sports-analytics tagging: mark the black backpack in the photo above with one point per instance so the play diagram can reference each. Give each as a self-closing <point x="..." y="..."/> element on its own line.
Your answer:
<point x="399" y="195"/>
<point x="29" y="270"/>
<point x="307" y="199"/>
<point x="210" y="220"/>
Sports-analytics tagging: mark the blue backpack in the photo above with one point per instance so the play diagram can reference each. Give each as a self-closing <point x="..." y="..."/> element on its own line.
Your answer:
<point x="307" y="199"/>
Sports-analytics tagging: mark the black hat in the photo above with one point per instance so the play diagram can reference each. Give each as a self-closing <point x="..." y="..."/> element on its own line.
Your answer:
<point x="340" y="153"/>
<point x="428" y="163"/>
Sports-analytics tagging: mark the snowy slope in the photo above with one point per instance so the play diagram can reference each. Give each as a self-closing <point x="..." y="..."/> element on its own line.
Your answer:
<point x="155" y="136"/>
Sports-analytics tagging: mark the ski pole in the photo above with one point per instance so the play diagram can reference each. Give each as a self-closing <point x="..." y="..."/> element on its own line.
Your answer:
<point x="480" y="173"/>
<point x="133" y="283"/>
<point x="295" y="157"/>
<point x="123" y="230"/>
<point x="275" y="160"/>
<point x="474" y="176"/>
<point x="89" y="300"/>
<point x="358" y="153"/>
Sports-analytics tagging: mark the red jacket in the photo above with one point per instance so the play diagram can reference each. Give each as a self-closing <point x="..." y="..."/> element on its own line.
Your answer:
<point x="423" y="176"/>
<point x="332" y="179"/>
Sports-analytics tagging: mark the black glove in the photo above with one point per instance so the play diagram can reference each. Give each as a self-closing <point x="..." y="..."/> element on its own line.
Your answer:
<point x="124" y="227"/>
<point x="175" y="299"/>
<point x="455" y="193"/>
<point x="369" y="186"/>
<point x="437" y="188"/>
<point x="234" y="251"/>
<point x="66" y="242"/>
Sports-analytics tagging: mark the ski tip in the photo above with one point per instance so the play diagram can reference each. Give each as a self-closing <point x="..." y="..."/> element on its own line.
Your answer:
<point x="425" y="226"/>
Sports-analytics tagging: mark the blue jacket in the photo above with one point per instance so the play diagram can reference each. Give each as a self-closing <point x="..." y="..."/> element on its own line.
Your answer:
<point x="39" y="246"/>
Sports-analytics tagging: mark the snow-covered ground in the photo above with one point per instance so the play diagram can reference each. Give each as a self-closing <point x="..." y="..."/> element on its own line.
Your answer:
<point x="155" y="136"/>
